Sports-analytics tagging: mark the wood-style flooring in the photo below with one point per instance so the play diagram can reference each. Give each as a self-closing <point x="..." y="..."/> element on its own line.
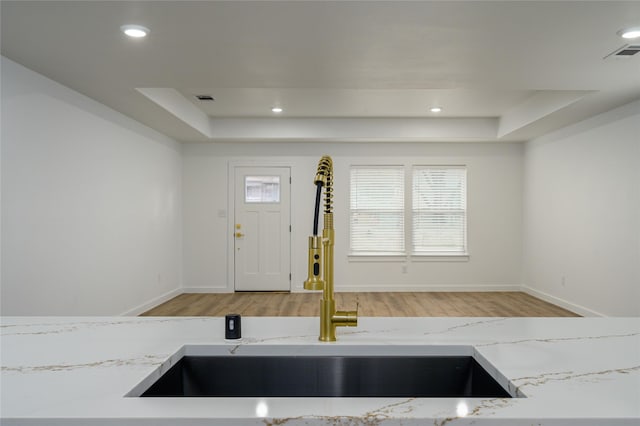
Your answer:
<point x="396" y="304"/>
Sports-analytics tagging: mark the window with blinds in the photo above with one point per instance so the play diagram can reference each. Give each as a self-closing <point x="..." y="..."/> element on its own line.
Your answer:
<point x="377" y="210"/>
<point x="439" y="211"/>
<point x="436" y="223"/>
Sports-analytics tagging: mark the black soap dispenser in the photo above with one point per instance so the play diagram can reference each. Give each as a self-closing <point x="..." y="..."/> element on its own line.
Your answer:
<point x="232" y="327"/>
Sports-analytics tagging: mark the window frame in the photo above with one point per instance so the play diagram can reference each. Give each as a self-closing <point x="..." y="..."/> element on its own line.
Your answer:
<point x="409" y="253"/>
<point x="411" y="230"/>
<point x="371" y="254"/>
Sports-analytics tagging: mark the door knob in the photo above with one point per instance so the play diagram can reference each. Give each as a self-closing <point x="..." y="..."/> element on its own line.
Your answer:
<point x="239" y="235"/>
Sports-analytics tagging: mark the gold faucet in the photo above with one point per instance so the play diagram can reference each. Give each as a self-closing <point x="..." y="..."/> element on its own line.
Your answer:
<point x="321" y="258"/>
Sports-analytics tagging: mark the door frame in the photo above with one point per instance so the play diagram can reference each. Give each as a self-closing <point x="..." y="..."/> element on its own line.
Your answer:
<point x="231" y="216"/>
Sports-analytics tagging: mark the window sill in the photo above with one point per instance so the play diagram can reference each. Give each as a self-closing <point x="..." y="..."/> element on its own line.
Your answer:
<point x="378" y="257"/>
<point x="443" y="257"/>
<point x="414" y="257"/>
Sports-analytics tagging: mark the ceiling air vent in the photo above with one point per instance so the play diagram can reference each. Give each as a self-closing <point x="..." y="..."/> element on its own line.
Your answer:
<point x="205" y="98"/>
<point x="625" y="51"/>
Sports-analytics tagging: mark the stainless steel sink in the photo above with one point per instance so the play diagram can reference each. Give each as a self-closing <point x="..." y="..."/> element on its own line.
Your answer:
<point x="331" y="375"/>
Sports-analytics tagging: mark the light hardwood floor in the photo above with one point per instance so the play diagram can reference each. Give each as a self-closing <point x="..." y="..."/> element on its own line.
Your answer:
<point x="396" y="304"/>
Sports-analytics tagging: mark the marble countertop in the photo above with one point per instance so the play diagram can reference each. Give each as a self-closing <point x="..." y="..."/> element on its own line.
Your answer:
<point x="78" y="370"/>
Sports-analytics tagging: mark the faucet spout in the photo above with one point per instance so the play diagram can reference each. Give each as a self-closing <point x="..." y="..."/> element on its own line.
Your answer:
<point x="321" y="259"/>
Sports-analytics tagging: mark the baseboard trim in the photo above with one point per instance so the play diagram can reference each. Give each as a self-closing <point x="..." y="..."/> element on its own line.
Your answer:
<point x="206" y="290"/>
<point x="421" y="288"/>
<point x="580" y="310"/>
<point x="152" y="303"/>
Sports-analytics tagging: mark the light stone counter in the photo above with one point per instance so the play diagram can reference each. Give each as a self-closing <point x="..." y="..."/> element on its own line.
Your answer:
<point x="77" y="371"/>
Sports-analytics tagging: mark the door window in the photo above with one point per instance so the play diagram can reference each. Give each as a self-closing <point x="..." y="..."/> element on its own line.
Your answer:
<point x="262" y="189"/>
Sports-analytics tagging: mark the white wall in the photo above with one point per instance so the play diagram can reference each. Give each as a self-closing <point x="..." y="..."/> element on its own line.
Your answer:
<point x="494" y="213"/>
<point x="582" y="215"/>
<point x="103" y="216"/>
<point x="91" y="204"/>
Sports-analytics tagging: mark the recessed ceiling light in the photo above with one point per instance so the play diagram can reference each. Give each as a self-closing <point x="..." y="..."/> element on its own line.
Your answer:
<point x="277" y="110"/>
<point x="135" y="31"/>
<point x="435" y="109"/>
<point x="630" y="33"/>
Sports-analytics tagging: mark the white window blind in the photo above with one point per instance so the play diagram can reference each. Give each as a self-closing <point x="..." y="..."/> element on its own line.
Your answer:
<point x="439" y="213"/>
<point x="377" y="210"/>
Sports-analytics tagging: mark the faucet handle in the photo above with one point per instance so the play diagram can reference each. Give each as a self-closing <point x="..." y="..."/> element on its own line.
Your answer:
<point x="345" y="318"/>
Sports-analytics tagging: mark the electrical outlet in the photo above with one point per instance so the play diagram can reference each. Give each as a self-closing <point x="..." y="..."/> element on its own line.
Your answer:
<point x="405" y="268"/>
<point x="563" y="281"/>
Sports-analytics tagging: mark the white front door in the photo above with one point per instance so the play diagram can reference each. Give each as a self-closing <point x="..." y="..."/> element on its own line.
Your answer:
<point x="262" y="229"/>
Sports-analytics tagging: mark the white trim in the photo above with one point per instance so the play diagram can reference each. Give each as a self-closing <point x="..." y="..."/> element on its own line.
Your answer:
<point x="231" y="215"/>
<point x="401" y="258"/>
<point x="425" y="288"/>
<point x="206" y="290"/>
<point x="231" y="182"/>
<point x="439" y="257"/>
<point x="152" y="303"/>
<point x="580" y="310"/>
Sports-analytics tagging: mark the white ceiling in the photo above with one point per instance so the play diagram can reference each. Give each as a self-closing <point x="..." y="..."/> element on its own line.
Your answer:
<point x="341" y="70"/>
